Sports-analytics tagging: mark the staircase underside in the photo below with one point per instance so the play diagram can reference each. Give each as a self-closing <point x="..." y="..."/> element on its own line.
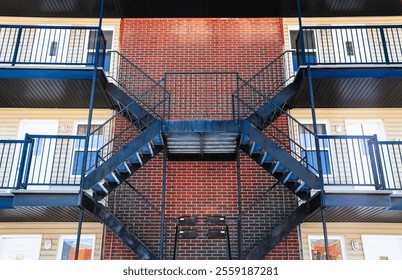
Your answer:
<point x="201" y="139"/>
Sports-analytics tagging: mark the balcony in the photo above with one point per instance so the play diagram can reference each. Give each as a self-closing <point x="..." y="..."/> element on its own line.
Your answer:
<point x="355" y="66"/>
<point x="38" y="62"/>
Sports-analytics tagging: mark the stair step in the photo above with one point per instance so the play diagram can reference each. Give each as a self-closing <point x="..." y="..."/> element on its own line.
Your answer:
<point x="254" y="149"/>
<point x="216" y="234"/>
<point x="279" y="167"/>
<point x="136" y="159"/>
<point x="100" y="189"/>
<point x="123" y="168"/>
<point x="266" y="158"/>
<point x="290" y="177"/>
<point x="112" y="178"/>
<point x="245" y="140"/>
<point x="147" y="149"/>
<point x="302" y="187"/>
<point x="158" y="141"/>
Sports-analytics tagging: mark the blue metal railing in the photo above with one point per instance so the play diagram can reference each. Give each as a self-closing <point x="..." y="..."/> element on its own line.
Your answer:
<point x="361" y="161"/>
<point x="41" y="160"/>
<point x="349" y="45"/>
<point x="50" y="45"/>
<point x="10" y="158"/>
<point x="390" y="157"/>
<point x="150" y="94"/>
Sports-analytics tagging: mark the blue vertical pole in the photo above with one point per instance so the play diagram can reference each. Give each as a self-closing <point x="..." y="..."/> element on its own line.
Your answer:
<point x="303" y="60"/>
<point x="319" y="163"/>
<point x="90" y="113"/>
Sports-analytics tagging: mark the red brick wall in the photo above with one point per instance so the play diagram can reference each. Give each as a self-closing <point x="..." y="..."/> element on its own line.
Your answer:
<point x="201" y="188"/>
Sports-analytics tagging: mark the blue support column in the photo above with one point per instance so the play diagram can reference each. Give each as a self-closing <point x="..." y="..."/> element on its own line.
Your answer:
<point x="91" y="105"/>
<point x="319" y="163"/>
<point x="303" y="62"/>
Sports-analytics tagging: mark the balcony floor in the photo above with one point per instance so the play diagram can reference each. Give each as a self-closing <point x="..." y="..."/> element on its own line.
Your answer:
<point x="50" y="88"/>
<point x="360" y="207"/>
<point x="351" y="87"/>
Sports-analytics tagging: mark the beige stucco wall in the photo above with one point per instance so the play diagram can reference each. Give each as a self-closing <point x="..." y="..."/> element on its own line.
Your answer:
<point x="348" y="231"/>
<point x="54" y="231"/>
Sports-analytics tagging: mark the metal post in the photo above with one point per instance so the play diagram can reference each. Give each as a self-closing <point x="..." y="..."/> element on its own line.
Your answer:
<point x="163" y="232"/>
<point x="384" y="44"/>
<point x="17" y="46"/>
<point x="239" y="209"/>
<point x="301" y="32"/>
<point x="78" y="240"/>
<point x="319" y="163"/>
<point x="377" y="155"/>
<point x="91" y="104"/>
<point x="24" y="169"/>
<point x="229" y="251"/>
<point x="93" y="88"/>
<point x="176" y="237"/>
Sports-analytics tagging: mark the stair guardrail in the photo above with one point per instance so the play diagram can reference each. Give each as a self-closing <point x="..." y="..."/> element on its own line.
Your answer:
<point x="263" y="86"/>
<point x="120" y="129"/>
<point x="138" y="85"/>
<point x="350" y="45"/>
<point x="54" y="45"/>
<point x="201" y="95"/>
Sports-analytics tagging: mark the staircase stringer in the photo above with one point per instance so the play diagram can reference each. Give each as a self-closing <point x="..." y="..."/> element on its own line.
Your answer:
<point x="282" y="230"/>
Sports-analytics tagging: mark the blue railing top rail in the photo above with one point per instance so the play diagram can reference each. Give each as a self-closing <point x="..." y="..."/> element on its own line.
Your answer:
<point x="51" y="45"/>
<point x="369" y="44"/>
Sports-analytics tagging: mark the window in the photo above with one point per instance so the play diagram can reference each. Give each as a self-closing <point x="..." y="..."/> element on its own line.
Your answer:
<point x="309" y="46"/>
<point x="309" y="154"/>
<point x="67" y="246"/>
<point x="108" y="34"/>
<point x="336" y="248"/>
<point x="94" y="153"/>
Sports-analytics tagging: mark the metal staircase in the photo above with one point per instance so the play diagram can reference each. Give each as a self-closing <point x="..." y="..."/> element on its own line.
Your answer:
<point x="270" y="134"/>
<point x="265" y="131"/>
<point x="134" y="131"/>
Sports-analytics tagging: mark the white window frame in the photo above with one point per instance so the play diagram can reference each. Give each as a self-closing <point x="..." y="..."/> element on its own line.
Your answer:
<point x="296" y="28"/>
<point x="92" y="51"/>
<point x="327" y="125"/>
<point x="79" y="149"/>
<point x="73" y="237"/>
<point x="341" y="238"/>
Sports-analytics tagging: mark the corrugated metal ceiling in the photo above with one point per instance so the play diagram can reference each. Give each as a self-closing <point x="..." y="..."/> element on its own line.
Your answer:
<point x="198" y="8"/>
<point x="357" y="215"/>
<point x="351" y="93"/>
<point x="44" y="214"/>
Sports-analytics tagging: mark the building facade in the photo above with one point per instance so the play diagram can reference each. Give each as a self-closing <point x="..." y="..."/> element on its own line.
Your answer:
<point x="209" y="137"/>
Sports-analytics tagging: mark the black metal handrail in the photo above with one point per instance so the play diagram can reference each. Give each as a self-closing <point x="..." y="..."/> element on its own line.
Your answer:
<point x="201" y="95"/>
<point x="264" y="85"/>
<point x="150" y="94"/>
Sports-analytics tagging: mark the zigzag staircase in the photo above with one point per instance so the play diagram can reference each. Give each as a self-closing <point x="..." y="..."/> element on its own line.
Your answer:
<point x="268" y="131"/>
<point x="134" y="139"/>
<point x="140" y="100"/>
<point x="276" y="141"/>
